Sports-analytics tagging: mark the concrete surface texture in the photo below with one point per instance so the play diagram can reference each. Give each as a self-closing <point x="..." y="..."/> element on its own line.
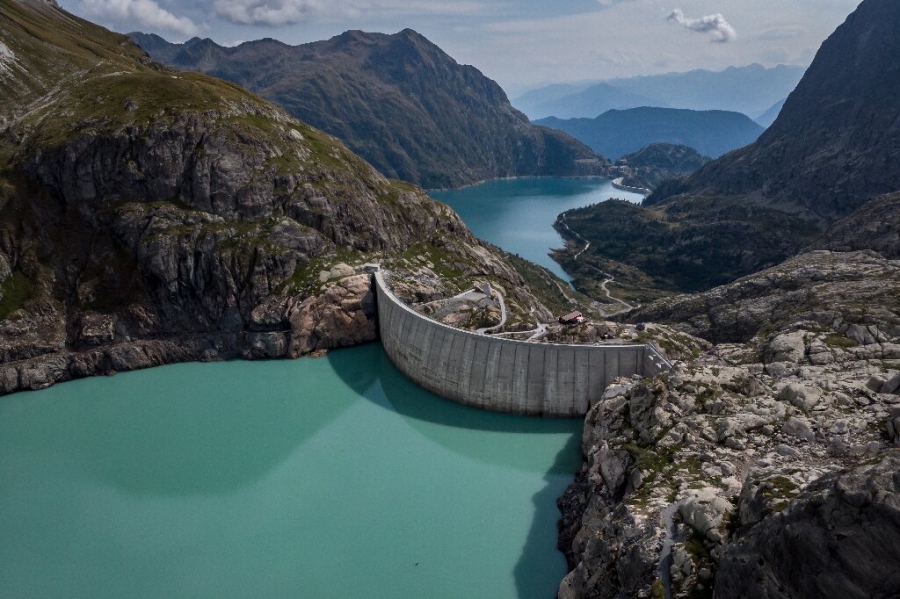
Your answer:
<point x="520" y="377"/>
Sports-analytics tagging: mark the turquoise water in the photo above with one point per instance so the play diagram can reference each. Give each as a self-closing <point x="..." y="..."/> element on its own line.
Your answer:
<point x="333" y="477"/>
<point x="518" y="214"/>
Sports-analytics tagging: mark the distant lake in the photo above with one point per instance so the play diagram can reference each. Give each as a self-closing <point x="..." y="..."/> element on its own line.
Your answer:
<point x="328" y="478"/>
<point x="518" y="214"/>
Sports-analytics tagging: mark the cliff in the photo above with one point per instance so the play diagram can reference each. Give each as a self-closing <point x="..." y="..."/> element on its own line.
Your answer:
<point x="397" y="100"/>
<point x="149" y="216"/>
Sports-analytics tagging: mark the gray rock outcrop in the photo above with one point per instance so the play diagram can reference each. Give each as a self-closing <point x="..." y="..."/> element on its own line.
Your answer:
<point x="838" y="538"/>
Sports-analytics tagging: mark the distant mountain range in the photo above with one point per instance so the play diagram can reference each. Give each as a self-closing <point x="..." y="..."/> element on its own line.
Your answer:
<point x="397" y="100"/>
<point x="567" y="102"/>
<point x="619" y="132"/>
<point x="751" y="90"/>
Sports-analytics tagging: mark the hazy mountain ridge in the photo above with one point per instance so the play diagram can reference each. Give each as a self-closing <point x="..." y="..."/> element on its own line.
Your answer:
<point x="620" y="132"/>
<point x="398" y="100"/>
<point x="750" y="90"/>
<point x="586" y="103"/>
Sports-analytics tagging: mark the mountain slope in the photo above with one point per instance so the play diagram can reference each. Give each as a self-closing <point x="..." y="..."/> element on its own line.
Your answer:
<point x="149" y="216"/>
<point x="833" y="148"/>
<point x="619" y="132"/>
<point x="875" y="226"/>
<point x="397" y="100"/>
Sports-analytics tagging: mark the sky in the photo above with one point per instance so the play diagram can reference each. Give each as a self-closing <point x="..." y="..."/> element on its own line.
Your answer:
<point x="520" y="44"/>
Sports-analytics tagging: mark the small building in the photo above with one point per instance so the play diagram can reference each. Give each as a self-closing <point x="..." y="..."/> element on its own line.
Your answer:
<point x="575" y="317"/>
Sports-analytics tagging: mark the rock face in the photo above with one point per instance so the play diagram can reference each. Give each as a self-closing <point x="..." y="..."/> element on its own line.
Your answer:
<point x="150" y="217"/>
<point x="829" y="153"/>
<point x="837" y="539"/>
<point x="396" y="100"/>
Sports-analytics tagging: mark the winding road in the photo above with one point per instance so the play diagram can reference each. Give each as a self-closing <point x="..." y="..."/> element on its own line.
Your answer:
<point x="607" y="278"/>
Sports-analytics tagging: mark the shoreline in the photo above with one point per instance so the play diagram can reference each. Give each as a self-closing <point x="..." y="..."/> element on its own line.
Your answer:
<point x="517" y="178"/>
<point x="617" y="183"/>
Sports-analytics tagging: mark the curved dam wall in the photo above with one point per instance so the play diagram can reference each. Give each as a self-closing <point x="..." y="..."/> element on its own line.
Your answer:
<point x="537" y="379"/>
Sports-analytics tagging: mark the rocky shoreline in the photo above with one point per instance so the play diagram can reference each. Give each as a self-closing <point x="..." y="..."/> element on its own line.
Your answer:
<point x="342" y="316"/>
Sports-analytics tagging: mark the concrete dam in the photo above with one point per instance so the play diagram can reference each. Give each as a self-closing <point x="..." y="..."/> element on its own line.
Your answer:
<point x="520" y="377"/>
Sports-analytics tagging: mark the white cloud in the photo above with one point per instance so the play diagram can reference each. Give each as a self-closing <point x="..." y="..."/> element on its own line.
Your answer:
<point x="714" y="24"/>
<point x="267" y="12"/>
<point x="287" y="12"/>
<point x="136" y="14"/>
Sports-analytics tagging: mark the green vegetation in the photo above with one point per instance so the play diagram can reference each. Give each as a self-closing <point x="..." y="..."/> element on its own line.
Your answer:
<point x="835" y="340"/>
<point x="691" y="244"/>
<point x="552" y="291"/>
<point x="17" y="289"/>
<point x="106" y="103"/>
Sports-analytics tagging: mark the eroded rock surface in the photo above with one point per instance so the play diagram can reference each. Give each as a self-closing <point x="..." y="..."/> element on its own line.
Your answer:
<point x="754" y="470"/>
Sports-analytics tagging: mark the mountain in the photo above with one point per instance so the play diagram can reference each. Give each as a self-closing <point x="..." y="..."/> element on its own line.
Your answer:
<point x="832" y="149"/>
<point x="590" y="102"/>
<point x="650" y="166"/>
<point x="619" y="132"/>
<point x="149" y="216"/>
<point x="751" y="90"/>
<point x="397" y="100"/>
<point x="769" y="116"/>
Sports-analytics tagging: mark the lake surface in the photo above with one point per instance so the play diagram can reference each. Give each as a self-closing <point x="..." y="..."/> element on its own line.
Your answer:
<point x="518" y="214"/>
<point x="333" y="477"/>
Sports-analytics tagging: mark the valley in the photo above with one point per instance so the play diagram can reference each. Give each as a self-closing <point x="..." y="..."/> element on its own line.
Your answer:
<point x="704" y="308"/>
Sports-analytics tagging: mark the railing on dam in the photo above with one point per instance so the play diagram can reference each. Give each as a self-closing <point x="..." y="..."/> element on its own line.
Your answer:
<point x="520" y="377"/>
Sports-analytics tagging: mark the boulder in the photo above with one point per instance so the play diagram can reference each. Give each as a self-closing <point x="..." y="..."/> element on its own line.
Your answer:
<point x="704" y="510"/>
<point x="789" y="347"/>
<point x="800" y="428"/>
<point x="800" y="396"/>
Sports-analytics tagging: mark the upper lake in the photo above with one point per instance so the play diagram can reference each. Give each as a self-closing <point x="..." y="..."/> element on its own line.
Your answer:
<point x="518" y="214"/>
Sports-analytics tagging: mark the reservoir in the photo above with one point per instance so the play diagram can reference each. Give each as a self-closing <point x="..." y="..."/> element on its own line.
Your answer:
<point x="330" y="477"/>
<point x="518" y="214"/>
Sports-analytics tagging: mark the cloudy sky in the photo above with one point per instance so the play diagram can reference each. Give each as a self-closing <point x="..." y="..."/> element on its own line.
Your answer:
<point x="518" y="43"/>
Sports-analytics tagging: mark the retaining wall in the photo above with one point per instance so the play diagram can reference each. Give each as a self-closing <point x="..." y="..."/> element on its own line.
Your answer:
<point x="520" y="377"/>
